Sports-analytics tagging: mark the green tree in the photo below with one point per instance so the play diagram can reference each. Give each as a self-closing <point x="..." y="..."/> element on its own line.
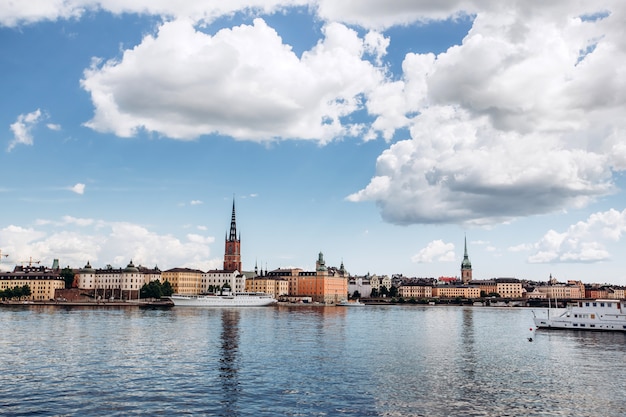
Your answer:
<point x="374" y="293"/>
<point x="154" y="289"/>
<point x="26" y="292"/>
<point x="393" y="291"/>
<point x="167" y="289"/>
<point x="356" y="295"/>
<point x="68" y="276"/>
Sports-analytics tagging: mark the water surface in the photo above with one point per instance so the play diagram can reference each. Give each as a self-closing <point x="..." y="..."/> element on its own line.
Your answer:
<point x="304" y="361"/>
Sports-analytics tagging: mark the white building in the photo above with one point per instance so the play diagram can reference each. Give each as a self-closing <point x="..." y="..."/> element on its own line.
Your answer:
<point x="116" y="282"/>
<point x="362" y="285"/>
<point x="217" y="278"/>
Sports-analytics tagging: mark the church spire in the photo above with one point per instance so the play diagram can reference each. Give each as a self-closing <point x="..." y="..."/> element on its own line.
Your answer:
<point x="466" y="266"/>
<point x="232" y="250"/>
<point x="233" y="225"/>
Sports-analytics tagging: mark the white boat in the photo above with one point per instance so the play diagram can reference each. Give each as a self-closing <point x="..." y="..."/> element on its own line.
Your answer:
<point x="242" y="299"/>
<point x="346" y="303"/>
<point x="606" y="315"/>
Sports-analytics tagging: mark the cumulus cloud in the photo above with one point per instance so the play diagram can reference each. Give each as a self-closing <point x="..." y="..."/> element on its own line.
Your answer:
<point x="22" y="128"/>
<point x="78" y="188"/>
<point x="378" y="14"/>
<point x="104" y="243"/>
<point x="243" y="82"/>
<point x="515" y="121"/>
<point x="584" y="241"/>
<point x="437" y="250"/>
<point x="14" y="13"/>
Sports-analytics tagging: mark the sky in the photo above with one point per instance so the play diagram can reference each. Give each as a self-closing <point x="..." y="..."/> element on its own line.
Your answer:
<point x="382" y="134"/>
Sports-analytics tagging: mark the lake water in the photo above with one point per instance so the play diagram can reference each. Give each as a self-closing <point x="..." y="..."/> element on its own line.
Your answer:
<point x="303" y="361"/>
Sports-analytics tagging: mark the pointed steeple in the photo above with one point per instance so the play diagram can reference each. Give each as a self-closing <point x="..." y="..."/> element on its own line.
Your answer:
<point x="232" y="249"/>
<point x="466" y="266"/>
<point x="233" y="225"/>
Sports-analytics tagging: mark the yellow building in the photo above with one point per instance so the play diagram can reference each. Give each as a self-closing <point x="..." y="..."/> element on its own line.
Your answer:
<point x="42" y="281"/>
<point x="504" y="287"/>
<point x="415" y="291"/>
<point x="270" y="285"/>
<point x="184" y="280"/>
<point x="322" y="285"/>
<point x="454" y="291"/>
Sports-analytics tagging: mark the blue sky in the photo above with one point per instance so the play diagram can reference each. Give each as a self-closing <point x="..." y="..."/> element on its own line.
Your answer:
<point x="380" y="133"/>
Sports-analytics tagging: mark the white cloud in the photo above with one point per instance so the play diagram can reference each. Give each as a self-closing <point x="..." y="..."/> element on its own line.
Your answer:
<point x="511" y="123"/>
<point x="243" y="82"/>
<point x="196" y="202"/>
<point x="102" y="243"/>
<point x="15" y="13"/>
<point x="22" y="129"/>
<point x="53" y="126"/>
<point x="383" y="14"/>
<point x="78" y="188"/>
<point x="584" y="241"/>
<point x="435" y="250"/>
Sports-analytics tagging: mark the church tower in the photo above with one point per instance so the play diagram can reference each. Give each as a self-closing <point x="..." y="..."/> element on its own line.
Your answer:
<point x="232" y="249"/>
<point x="466" y="266"/>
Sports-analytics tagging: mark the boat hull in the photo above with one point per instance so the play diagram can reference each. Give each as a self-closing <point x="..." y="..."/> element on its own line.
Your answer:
<point x="235" y="300"/>
<point x="591" y="315"/>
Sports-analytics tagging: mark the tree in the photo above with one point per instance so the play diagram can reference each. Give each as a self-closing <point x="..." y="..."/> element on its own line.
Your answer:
<point x="374" y="293"/>
<point x="393" y="291"/>
<point x="356" y="295"/>
<point x="68" y="276"/>
<point x="154" y="289"/>
<point x="26" y="292"/>
<point x="167" y="289"/>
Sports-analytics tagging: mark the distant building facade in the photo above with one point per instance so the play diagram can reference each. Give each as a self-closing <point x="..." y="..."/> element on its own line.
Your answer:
<point x="323" y="286"/>
<point x="42" y="281"/>
<point x="119" y="283"/>
<point x="416" y="291"/>
<point x="185" y="280"/>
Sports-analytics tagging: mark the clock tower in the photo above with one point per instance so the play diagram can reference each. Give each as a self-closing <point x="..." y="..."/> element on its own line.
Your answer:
<point x="232" y="249"/>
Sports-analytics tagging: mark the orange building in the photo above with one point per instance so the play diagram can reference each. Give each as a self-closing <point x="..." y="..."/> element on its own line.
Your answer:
<point x="322" y="285"/>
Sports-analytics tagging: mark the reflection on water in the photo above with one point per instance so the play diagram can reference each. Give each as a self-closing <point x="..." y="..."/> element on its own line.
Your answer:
<point x="228" y="361"/>
<point x="305" y="361"/>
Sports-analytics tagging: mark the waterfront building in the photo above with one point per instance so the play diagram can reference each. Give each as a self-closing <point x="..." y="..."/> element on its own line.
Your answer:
<point x="378" y="282"/>
<point x="120" y="283"/>
<point x="504" y="287"/>
<point x="322" y="285"/>
<point x="454" y="291"/>
<point x="466" y="266"/>
<point x="185" y="280"/>
<point x="415" y="290"/>
<point x="218" y="278"/>
<point x="361" y="285"/>
<point x="273" y="285"/>
<point x="289" y="274"/>
<point x="561" y="291"/>
<point x="42" y="281"/>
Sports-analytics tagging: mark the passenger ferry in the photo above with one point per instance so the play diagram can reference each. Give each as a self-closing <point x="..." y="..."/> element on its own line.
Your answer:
<point x="605" y="315"/>
<point x="241" y="299"/>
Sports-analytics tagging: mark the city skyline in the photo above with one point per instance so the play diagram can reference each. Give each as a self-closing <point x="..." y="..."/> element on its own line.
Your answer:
<point x="379" y="133"/>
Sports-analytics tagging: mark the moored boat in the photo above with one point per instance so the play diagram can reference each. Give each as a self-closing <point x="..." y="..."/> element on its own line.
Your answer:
<point x="243" y="299"/>
<point x="346" y="303"/>
<point x="605" y="315"/>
